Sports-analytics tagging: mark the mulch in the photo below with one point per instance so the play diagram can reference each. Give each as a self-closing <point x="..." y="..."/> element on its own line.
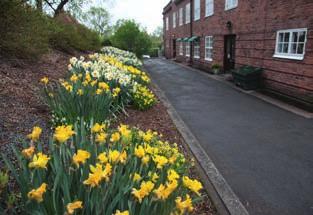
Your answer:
<point x="21" y="108"/>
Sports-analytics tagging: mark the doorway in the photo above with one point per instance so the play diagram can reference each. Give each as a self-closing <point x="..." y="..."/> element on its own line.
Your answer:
<point x="174" y="48"/>
<point x="229" y="52"/>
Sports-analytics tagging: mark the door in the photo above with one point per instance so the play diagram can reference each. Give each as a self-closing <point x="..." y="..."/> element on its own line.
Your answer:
<point x="174" y="48"/>
<point x="229" y="52"/>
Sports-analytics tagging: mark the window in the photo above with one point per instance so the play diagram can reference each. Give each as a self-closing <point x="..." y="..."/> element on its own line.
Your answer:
<point x="187" y="49"/>
<point x="166" y="23"/>
<point x="197" y="10"/>
<point x="174" y="19"/>
<point x="208" y="48"/>
<point x="291" y="43"/>
<point x="209" y="7"/>
<point x="196" y="49"/>
<point x="181" y="48"/>
<point x="181" y="16"/>
<point x="230" y="4"/>
<point x="187" y="17"/>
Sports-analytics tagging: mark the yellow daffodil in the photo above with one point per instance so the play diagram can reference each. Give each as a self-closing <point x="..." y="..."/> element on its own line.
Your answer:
<point x="103" y="158"/>
<point x="116" y="91"/>
<point x="182" y="206"/>
<point x="99" y="91"/>
<point x="145" y="160"/>
<point x="39" y="161"/>
<point x="121" y="213"/>
<point x="104" y="86"/>
<point x="93" y="83"/>
<point x="145" y="189"/>
<point x="172" y="175"/>
<point x="101" y="137"/>
<point x="148" y="136"/>
<point x="97" y="128"/>
<point x="80" y="92"/>
<point x="74" y="78"/>
<point x="160" y="161"/>
<point x="44" y="80"/>
<point x="125" y="132"/>
<point x="139" y="152"/>
<point x="115" y="137"/>
<point x="71" y="207"/>
<point x="63" y="133"/>
<point x="80" y="157"/>
<point x="98" y="174"/>
<point x="28" y="153"/>
<point x="193" y="185"/>
<point x="136" y="177"/>
<point x="37" y="194"/>
<point x="35" y="135"/>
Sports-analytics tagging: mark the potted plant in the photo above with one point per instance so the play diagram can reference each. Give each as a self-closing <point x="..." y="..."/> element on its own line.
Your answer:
<point x="216" y="69"/>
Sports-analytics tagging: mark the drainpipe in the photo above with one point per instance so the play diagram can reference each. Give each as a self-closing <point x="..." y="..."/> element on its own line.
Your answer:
<point x="191" y="31"/>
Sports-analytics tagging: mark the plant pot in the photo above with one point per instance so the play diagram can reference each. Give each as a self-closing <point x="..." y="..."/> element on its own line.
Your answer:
<point x="216" y="71"/>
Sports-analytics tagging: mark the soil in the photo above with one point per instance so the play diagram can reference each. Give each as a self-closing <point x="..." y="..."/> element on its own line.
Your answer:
<point x="21" y="108"/>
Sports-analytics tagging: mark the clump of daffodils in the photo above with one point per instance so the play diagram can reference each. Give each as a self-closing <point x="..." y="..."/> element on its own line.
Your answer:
<point x="103" y="82"/>
<point x="129" y="171"/>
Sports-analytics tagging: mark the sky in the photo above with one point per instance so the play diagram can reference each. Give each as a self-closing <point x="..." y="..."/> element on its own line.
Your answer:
<point x="146" y="12"/>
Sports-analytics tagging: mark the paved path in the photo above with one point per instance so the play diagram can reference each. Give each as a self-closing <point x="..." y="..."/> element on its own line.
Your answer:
<point x="263" y="152"/>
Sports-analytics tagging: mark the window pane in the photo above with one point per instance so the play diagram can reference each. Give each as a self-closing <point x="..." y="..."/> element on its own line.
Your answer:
<point x="286" y="37"/>
<point x="280" y="47"/>
<point x="300" y="48"/>
<point x="295" y="37"/>
<point x="285" y="48"/>
<point x="302" y="35"/>
<point x="293" y="49"/>
<point x="281" y="37"/>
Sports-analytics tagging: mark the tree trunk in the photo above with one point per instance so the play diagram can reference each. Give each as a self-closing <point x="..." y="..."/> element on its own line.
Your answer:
<point x="39" y="5"/>
<point x="60" y="7"/>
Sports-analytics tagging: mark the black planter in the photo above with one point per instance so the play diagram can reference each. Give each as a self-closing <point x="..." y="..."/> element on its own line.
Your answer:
<point x="248" y="78"/>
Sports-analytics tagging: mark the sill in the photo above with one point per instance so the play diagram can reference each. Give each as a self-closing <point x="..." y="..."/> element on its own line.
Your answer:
<point x="231" y="8"/>
<point x="187" y="23"/>
<point x="208" y="59"/>
<point x="187" y="55"/>
<point x="195" y="20"/>
<point x="196" y="57"/>
<point x="289" y="57"/>
<point x="206" y="16"/>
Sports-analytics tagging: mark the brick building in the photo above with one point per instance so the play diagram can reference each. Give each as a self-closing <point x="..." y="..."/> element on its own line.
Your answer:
<point x="276" y="35"/>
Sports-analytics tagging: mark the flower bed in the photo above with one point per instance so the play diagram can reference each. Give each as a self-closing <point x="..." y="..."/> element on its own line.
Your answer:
<point x="90" y="168"/>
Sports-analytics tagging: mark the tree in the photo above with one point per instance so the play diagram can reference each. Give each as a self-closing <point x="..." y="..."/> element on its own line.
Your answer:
<point x="98" y="19"/>
<point x="129" y="36"/>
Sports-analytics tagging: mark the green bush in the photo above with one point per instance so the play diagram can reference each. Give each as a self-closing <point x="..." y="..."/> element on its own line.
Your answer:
<point x="23" y="31"/>
<point x="27" y="33"/>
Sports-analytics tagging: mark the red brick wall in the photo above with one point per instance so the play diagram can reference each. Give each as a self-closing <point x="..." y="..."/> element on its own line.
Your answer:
<point x="255" y="23"/>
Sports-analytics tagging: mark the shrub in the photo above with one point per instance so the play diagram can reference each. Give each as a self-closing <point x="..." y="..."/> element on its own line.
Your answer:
<point x="102" y="171"/>
<point x="24" y="32"/>
<point x="27" y="33"/>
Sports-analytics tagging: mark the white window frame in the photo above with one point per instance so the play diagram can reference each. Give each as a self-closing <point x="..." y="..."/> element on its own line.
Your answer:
<point x="181" y="48"/>
<point x="290" y="55"/>
<point x="196" y="49"/>
<point x="208" y="47"/>
<point x="187" y="14"/>
<point x="231" y="4"/>
<point x="187" y="49"/>
<point x="167" y="23"/>
<point x="209" y="7"/>
<point x="174" y="19"/>
<point x="181" y="16"/>
<point x="197" y="10"/>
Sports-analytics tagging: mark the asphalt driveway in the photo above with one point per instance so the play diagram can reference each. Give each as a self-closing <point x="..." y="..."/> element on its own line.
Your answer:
<point x="264" y="153"/>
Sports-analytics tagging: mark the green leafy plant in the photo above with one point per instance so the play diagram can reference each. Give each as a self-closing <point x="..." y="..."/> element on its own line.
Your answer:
<point x="102" y="171"/>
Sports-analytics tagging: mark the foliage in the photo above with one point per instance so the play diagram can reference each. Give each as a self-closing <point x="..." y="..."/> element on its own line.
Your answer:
<point x="98" y="19"/>
<point x="27" y="33"/>
<point x="23" y="31"/>
<point x="129" y="36"/>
